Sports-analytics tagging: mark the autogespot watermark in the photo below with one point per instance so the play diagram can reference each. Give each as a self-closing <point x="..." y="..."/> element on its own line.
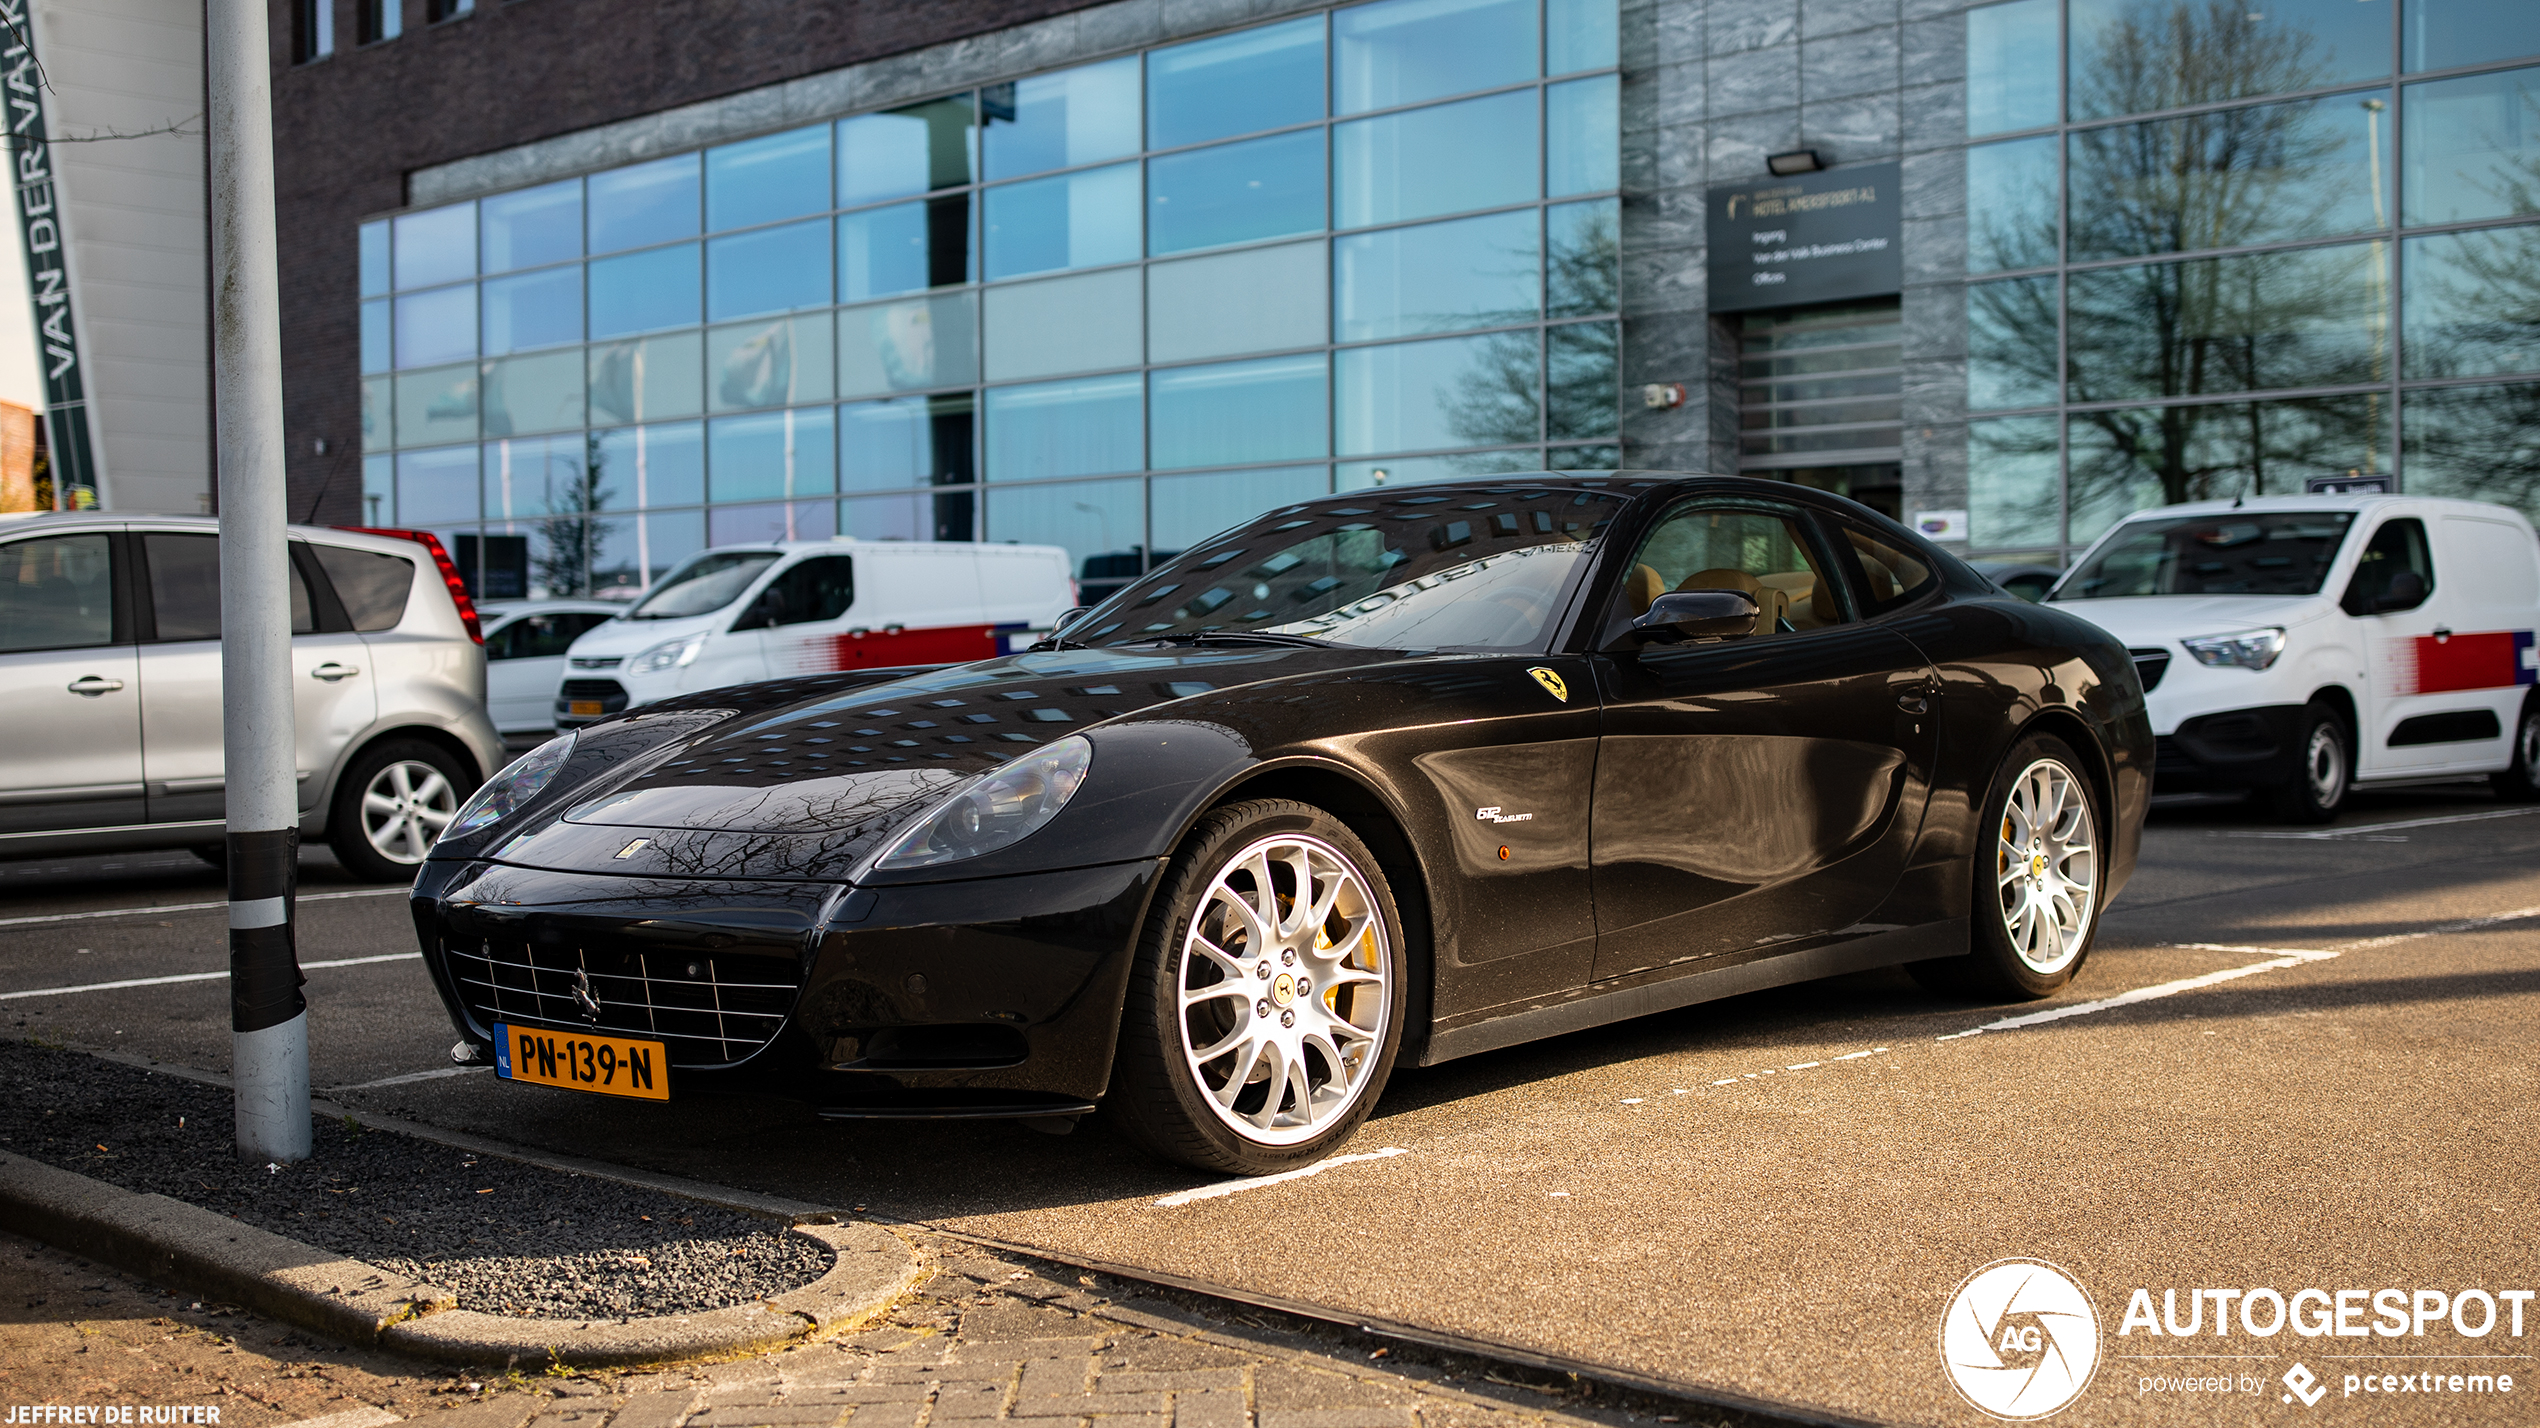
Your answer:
<point x="2021" y="1340"/>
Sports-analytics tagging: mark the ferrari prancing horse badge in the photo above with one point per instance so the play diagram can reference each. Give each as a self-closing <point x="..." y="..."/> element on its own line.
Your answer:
<point x="1551" y="683"/>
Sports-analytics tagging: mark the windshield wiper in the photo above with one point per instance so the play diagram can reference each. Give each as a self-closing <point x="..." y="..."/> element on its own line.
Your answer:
<point x="1245" y="637"/>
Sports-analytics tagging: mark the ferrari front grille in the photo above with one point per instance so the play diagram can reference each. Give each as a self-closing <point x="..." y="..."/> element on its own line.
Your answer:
<point x="708" y="1008"/>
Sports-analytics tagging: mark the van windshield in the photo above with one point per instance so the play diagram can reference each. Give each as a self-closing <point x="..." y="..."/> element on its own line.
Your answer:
<point x="705" y="584"/>
<point x="2230" y="553"/>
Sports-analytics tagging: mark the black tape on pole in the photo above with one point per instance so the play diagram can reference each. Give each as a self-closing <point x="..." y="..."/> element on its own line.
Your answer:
<point x="264" y="962"/>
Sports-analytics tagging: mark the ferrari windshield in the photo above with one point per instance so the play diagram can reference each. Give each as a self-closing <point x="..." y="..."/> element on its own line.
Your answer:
<point x="1426" y="568"/>
<point x="704" y="585"/>
<point x="2230" y="553"/>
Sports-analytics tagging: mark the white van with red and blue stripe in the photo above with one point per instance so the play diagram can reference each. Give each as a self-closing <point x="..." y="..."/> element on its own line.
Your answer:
<point x="2304" y="645"/>
<point x="737" y="614"/>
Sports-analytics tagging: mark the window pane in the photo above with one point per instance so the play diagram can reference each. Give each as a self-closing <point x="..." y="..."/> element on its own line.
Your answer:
<point x="437" y="246"/>
<point x="2443" y="33"/>
<point x="2011" y="204"/>
<point x="534" y="476"/>
<point x="1274" y="409"/>
<point x="1057" y="121"/>
<point x="375" y="353"/>
<point x="533" y="310"/>
<point x="2311" y="318"/>
<point x="1262" y="188"/>
<point x="525" y="394"/>
<point x="436" y="406"/>
<point x="755" y="525"/>
<point x="2231" y="177"/>
<point x="531" y="227"/>
<point x="2473" y="304"/>
<point x="1436" y="277"/>
<point x="647" y="380"/>
<point x="909" y="441"/>
<point x="949" y="515"/>
<point x="642" y="291"/>
<point x="770" y="364"/>
<point x="2011" y="344"/>
<point x="763" y="180"/>
<point x="58" y="592"/>
<point x="772" y="270"/>
<point x="1063" y="325"/>
<point x="1404" y="471"/>
<point x="629" y="553"/>
<point x="649" y="203"/>
<point x="1582" y="136"/>
<point x="436" y="487"/>
<point x="1101" y="523"/>
<point x="1258" y="300"/>
<point x="901" y="346"/>
<point x="1463" y="391"/>
<point x="378" y="415"/>
<point x="2131" y="460"/>
<point x="906" y="152"/>
<point x="2130" y="59"/>
<point x="1580" y="389"/>
<point x="2476" y="443"/>
<point x="374" y="262"/>
<point x="2014" y="494"/>
<point x="1073" y="428"/>
<point x="2473" y="148"/>
<point x="905" y="249"/>
<point x="1072" y="221"/>
<point x="1578" y="34"/>
<point x="1264" y="78"/>
<point x="660" y="465"/>
<point x="1404" y="51"/>
<point x="772" y="455"/>
<point x="1482" y="153"/>
<point x="1185" y="510"/>
<point x="1585" y="275"/>
<point x="379" y="490"/>
<point x="436" y="326"/>
<point x="2011" y="66"/>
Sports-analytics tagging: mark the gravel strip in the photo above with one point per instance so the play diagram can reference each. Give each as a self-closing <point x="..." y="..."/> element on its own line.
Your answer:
<point x="506" y="1238"/>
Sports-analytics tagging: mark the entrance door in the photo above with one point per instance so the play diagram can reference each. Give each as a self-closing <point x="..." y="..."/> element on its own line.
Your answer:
<point x="1820" y="400"/>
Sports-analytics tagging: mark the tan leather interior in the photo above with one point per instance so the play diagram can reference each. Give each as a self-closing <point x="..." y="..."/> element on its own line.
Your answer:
<point x="1799" y="594"/>
<point x="1642" y="586"/>
<point x="1771" y="604"/>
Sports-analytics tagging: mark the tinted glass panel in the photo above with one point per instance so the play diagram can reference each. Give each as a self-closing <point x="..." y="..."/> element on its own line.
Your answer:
<point x="1264" y="78"/>
<point x="2011" y="205"/>
<point x="436" y="326"/>
<point x="525" y="394"/>
<point x="534" y="226"/>
<point x="2454" y="435"/>
<point x="905" y="248"/>
<point x="661" y="465"/>
<point x="1405" y="51"/>
<point x="784" y="520"/>
<point x="1261" y="188"/>
<point x="764" y="180"/>
<point x="2011" y="66"/>
<point x="2473" y="303"/>
<point x="1462" y="391"/>
<point x="1256" y="300"/>
<point x="57" y="593"/>
<point x="2314" y="317"/>
<point x="1102" y="524"/>
<point x="924" y="342"/>
<point x="2132" y="59"/>
<point x="772" y="270"/>
<point x="2133" y="459"/>
<point x="647" y="379"/>
<point x="1584" y="275"/>
<point x="375" y="351"/>
<point x="769" y="364"/>
<point x="1482" y="153"/>
<point x="437" y="487"/>
<point x="630" y="552"/>
<point x="907" y="151"/>
<point x="1188" y="509"/>
<point x="1578" y="34"/>
<point x="533" y="310"/>
<point x="436" y="246"/>
<point x="1057" y="121"/>
<point x="1579" y="381"/>
<point x="774" y="455"/>
<point x="1063" y="325"/>
<point x="649" y="203"/>
<point x="2252" y="553"/>
<point x="642" y="291"/>
<point x="1436" y="277"/>
<point x="2011" y="344"/>
<point x="2442" y="33"/>
<point x="1071" y="221"/>
<point x="536" y="476"/>
<point x="2473" y="148"/>
<point x="2014" y="484"/>
<point x="1073" y="428"/>
<point x="910" y="441"/>
<point x="1582" y="136"/>
<point x="436" y="406"/>
<point x="2228" y="178"/>
<point x="1274" y="409"/>
<point x="374" y="260"/>
<point x="373" y="587"/>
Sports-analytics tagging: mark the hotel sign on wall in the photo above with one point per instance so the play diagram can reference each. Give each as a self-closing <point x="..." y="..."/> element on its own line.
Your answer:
<point x="1819" y="237"/>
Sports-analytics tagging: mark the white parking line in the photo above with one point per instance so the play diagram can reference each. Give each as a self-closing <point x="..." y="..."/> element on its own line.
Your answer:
<point x="189" y="907"/>
<point x="408" y="1079"/>
<point x="1230" y="1187"/>
<point x="220" y="976"/>
<point x="2364" y="831"/>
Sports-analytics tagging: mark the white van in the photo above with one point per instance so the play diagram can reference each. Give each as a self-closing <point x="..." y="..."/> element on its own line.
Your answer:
<point x="2303" y="645"/>
<point x="740" y="613"/>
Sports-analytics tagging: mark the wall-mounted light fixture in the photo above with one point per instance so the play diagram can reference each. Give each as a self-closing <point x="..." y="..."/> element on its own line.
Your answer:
<point x="1797" y="161"/>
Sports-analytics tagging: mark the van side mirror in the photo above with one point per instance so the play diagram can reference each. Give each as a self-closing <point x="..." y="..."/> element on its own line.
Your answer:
<point x="2406" y="592"/>
<point x="1697" y="615"/>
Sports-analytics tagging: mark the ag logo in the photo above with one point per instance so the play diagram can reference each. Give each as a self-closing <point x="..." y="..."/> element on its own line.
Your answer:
<point x="2020" y="1340"/>
<point x="1552" y="683"/>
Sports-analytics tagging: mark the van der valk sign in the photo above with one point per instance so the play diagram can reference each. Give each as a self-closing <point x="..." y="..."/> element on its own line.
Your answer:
<point x="1813" y="238"/>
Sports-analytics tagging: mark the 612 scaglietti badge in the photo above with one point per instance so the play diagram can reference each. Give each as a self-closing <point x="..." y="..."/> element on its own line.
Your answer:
<point x="1209" y="857"/>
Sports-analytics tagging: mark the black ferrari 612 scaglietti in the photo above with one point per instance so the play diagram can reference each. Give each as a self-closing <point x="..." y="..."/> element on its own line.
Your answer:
<point x="1411" y="772"/>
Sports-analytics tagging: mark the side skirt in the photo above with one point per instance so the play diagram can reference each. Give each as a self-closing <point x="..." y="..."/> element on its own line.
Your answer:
<point x="1887" y="949"/>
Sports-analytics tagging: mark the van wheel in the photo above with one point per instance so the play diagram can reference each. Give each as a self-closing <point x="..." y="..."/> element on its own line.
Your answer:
<point x="2519" y="782"/>
<point x="394" y="801"/>
<point x="2318" y="788"/>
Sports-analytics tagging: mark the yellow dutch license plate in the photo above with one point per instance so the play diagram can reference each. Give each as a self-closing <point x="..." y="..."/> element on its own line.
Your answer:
<point x="580" y="707"/>
<point x="583" y="1061"/>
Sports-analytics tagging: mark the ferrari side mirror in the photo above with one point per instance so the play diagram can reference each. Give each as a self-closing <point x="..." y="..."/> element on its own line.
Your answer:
<point x="1698" y="615"/>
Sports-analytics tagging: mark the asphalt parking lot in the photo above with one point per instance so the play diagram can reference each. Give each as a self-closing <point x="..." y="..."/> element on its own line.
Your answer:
<point x="2317" y="1071"/>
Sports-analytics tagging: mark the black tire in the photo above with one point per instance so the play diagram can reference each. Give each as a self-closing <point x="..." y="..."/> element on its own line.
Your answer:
<point x="355" y="835"/>
<point x="2318" y="787"/>
<point x="1158" y="1097"/>
<point x="1996" y="968"/>
<point x="2519" y="782"/>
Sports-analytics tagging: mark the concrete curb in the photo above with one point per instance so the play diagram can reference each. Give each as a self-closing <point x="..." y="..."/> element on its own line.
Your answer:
<point x="171" y="1242"/>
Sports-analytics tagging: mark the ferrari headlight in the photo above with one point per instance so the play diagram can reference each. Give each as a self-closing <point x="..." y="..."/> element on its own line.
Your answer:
<point x="521" y="780"/>
<point x="1002" y="809"/>
<point x="2250" y="649"/>
<point x="669" y="654"/>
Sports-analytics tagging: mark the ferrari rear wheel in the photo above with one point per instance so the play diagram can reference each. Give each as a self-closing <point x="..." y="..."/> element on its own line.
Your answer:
<point x="2038" y="879"/>
<point x="1266" y="1004"/>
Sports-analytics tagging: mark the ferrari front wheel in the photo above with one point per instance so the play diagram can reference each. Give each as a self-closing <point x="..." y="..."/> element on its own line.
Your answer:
<point x="1266" y="1003"/>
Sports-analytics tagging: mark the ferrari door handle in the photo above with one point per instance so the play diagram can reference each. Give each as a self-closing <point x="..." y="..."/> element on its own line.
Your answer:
<point x="331" y="672"/>
<point x="1913" y="703"/>
<point x="92" y="686"/>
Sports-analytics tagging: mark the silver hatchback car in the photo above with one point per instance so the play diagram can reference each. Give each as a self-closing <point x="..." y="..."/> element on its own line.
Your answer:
<point x="110" y="693"/>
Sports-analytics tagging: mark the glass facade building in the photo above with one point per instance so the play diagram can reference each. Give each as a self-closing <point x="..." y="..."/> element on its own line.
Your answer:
<point x="1114" y="306"/>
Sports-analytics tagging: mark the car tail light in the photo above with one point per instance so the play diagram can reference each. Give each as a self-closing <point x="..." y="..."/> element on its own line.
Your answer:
<point x="449" y="571"/>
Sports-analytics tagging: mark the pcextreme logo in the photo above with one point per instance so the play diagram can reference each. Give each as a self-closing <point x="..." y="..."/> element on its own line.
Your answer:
<point x="2020" y="1339"/>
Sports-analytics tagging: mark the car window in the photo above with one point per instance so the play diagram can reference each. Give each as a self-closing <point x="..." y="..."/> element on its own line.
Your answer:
<point x="373" y="586"/>
<point x="820" y="588"/>
<point x="185" y="587"/>
<point x="705" y="584"/>
<point x="1706" y="545"/>
<point x="57" y="593"/>
<point x="540" y="636"/>
<point x="2231" y="553"/>
<point x="2397" y="549"/>
<point x="1891" y="575"/>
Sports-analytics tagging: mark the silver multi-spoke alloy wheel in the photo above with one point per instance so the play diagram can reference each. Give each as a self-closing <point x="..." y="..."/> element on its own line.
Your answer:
<point x="405" y="807"/>
<point x="2324" y="764"/>
<point x="2047" y="867"/>
<point x="1285" y="989"/>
